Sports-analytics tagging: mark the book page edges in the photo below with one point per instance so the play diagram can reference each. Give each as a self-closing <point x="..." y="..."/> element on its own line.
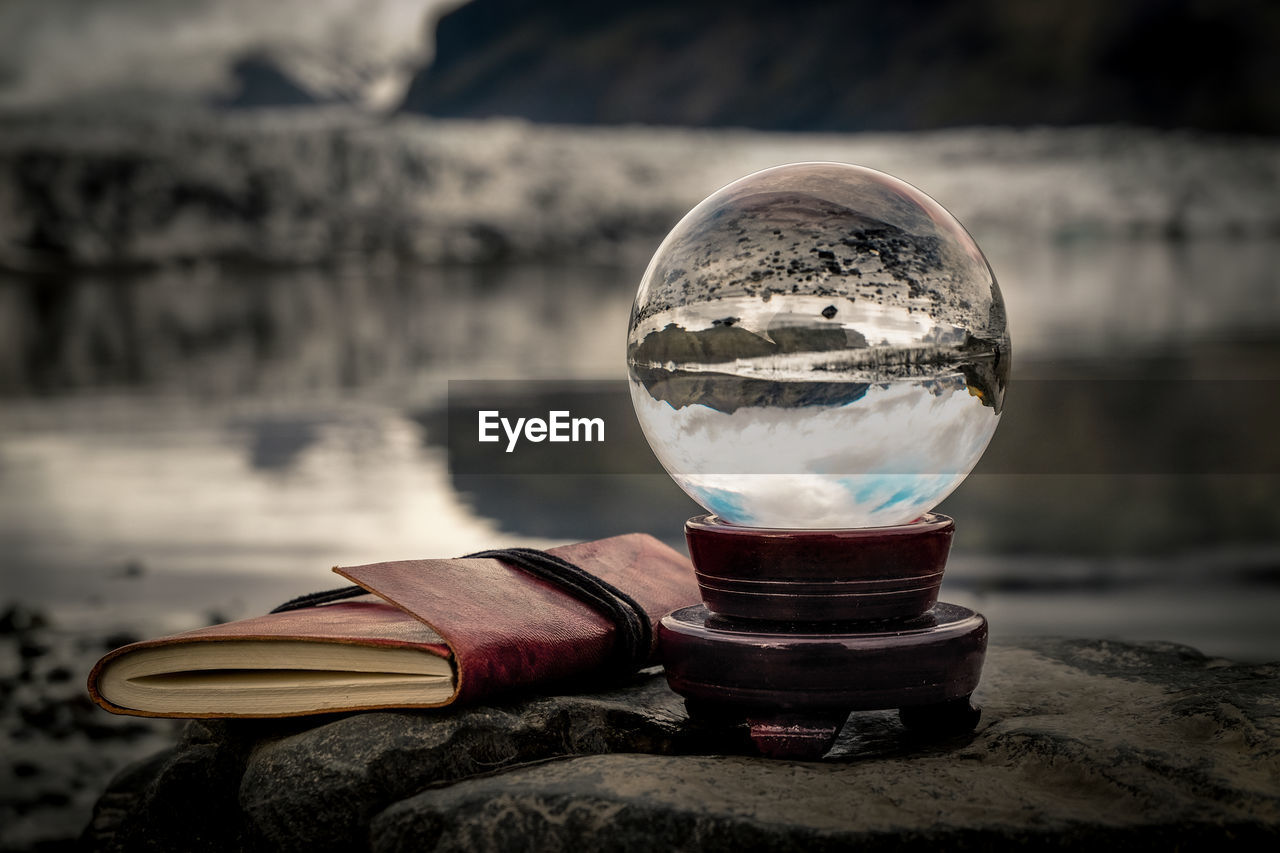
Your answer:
<point x="432" y="683"/>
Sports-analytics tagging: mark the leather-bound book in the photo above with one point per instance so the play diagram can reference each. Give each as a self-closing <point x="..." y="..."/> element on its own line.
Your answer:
<point x="428" y="633"/>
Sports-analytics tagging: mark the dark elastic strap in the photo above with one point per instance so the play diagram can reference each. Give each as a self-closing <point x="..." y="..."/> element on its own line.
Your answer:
<point x="312" y="599"/>
<point x="634" y="632"/>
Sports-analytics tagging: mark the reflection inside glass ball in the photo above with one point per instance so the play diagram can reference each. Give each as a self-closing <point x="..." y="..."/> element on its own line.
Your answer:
<point x="818" y="346"/>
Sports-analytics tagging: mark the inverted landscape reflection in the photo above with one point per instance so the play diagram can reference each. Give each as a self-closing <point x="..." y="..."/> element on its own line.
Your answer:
<point x="827" y="323"/>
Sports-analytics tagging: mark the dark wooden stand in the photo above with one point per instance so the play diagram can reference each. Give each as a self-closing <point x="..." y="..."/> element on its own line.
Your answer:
<point x="801" y="627"/>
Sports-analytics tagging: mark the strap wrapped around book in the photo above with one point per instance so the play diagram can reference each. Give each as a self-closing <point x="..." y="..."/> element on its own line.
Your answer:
<point x="632" y="628"/>
<point x="433" y="633"/>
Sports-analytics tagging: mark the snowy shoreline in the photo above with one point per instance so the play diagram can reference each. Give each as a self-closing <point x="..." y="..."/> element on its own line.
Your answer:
<point x="325" y="185"/>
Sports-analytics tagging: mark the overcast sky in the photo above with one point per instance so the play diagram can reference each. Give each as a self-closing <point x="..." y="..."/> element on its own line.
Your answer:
<point x="54" y="51"/>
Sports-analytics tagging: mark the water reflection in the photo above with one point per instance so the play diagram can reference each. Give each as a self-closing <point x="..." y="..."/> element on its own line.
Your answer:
<point x="245" y="491"/>
<point x="208" y="331"/>
<point x="218" y="332"/>
<point x="236" y="433"/>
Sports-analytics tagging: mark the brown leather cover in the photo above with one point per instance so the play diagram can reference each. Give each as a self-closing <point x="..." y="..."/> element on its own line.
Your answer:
<point x="503" y="629"/>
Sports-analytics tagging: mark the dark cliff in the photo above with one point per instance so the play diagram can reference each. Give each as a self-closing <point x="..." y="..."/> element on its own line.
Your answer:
<point x="860" y="64"/>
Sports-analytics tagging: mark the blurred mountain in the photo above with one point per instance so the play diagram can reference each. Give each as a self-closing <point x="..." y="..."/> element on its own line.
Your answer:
<point x="859" y="64"/>
<point x="156" y="55"/>
<point x="261" y="82"/>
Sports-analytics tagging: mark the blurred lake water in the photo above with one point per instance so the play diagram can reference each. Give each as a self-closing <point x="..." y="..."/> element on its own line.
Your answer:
<point x="202" y="442"/>
<point x="226" y="342"/>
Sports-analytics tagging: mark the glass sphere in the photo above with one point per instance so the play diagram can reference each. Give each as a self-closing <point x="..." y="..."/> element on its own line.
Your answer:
<point x="818" y="345"/>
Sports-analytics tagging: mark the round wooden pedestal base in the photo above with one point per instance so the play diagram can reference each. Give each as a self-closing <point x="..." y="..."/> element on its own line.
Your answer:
<point x="794" y="684"/>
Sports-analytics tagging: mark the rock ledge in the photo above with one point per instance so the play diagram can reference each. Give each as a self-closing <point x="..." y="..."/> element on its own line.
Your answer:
<point x="1081" y="743"/>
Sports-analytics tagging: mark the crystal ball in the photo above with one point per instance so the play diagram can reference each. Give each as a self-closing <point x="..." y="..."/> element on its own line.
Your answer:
<point x="818" y="345"/>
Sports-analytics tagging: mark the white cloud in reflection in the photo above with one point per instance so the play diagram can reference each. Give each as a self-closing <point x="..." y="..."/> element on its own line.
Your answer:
<point x="178" y="489"/>
<point x="881" y="460"/>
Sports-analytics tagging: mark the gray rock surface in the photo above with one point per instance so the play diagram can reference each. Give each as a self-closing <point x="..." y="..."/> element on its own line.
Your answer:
<point x="344" y="772"/>
<point x="1082" y="743"/>
<point x="315" y="783"/>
